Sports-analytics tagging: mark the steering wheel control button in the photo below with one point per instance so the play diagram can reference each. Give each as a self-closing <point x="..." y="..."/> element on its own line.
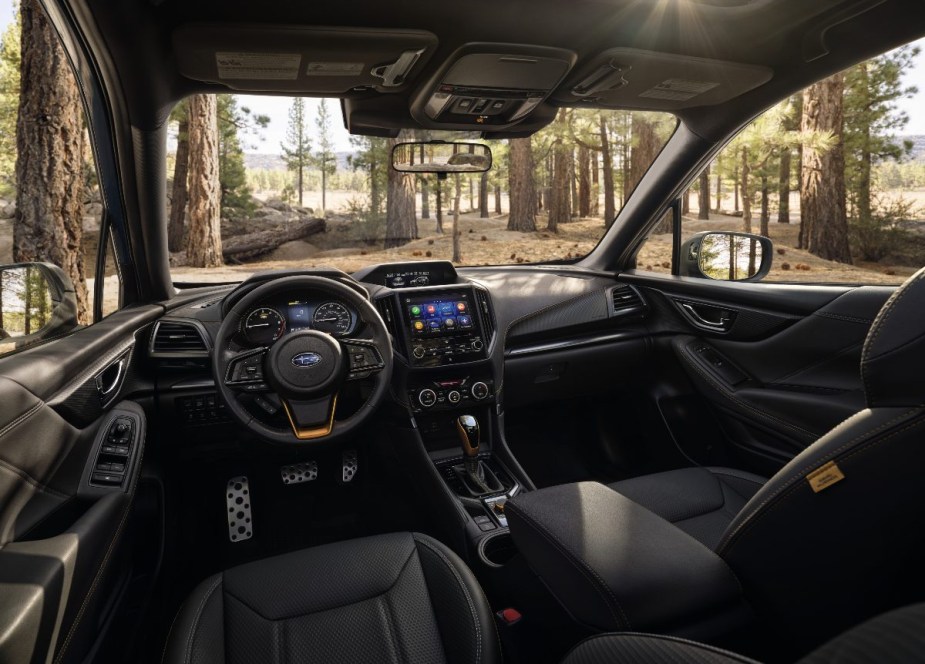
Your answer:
<point x="427" y="398"/>
<point x="238" y="504"/>
<point x="480" y="390"/>
<point x="297" y="473"/>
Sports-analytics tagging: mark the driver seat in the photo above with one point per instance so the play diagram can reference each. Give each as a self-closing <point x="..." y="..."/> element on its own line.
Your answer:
<point x="396" y="597"/>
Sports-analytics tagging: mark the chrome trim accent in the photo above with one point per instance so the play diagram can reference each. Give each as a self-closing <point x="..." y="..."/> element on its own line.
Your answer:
<point x="569" y="343"/>
<point x="191" y="322"/>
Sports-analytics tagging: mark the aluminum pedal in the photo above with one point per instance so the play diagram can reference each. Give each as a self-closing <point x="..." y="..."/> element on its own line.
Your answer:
<point x="306" y="471"/>
<point x="238" y="500"/>
<point x="349" y="465"/>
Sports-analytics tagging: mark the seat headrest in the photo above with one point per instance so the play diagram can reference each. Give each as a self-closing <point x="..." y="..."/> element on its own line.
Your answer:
<point x="893" y="360"/>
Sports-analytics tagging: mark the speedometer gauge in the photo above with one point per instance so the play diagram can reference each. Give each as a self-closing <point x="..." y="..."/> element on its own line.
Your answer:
<point x="263" y="326"/>
<point x="333" y="318"/>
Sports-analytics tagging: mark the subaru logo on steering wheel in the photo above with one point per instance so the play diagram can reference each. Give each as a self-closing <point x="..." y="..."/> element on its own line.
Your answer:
<point x="305" y="360"/>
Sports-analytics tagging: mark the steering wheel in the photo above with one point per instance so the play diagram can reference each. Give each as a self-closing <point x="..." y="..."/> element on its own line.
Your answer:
<point x="305" y="369"/>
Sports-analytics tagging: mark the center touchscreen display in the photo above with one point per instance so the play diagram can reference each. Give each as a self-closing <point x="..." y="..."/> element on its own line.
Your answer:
<point x="439" y="316"/>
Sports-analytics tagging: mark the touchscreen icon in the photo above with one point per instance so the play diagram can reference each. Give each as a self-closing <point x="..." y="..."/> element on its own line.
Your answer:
<point x="449" y="323"/>
<point x="464" y="321"/>
<point x="431" y="310"/>
<point x="418" y="326"/>
<point x="461" y="307"/>
<point x="415" y="311"/>
<point x="433" y="324"/>
<point x="446" y="308"/>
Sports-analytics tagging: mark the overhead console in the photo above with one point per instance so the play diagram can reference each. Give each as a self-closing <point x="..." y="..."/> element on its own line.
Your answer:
<point x="637" y="79"/>
<point x="302" y="60"/>
<point x="491" y="87"/>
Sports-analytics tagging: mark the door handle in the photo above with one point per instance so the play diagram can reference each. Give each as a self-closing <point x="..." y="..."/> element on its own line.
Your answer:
<point x="724" y="320"/>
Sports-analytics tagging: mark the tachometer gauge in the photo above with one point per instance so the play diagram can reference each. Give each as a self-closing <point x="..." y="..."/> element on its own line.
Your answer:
<point x="263" y="326"/>
<point x="333" y="318"/>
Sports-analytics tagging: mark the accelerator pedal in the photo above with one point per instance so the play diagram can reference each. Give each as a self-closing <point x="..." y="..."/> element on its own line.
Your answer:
<point x="349" y="465"/>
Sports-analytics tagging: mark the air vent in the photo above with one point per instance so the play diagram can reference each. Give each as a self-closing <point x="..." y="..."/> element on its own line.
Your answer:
<point x="488" y="320"/>
<point x="625" y="300"/>
<point x="387" y="311"/>
<point x="175" y="338"/>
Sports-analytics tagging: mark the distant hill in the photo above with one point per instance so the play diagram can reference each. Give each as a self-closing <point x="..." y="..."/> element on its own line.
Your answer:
<point x="274" y="162"/>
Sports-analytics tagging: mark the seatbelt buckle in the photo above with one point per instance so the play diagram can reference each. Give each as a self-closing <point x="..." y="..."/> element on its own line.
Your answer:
<point x="509" y="616"/>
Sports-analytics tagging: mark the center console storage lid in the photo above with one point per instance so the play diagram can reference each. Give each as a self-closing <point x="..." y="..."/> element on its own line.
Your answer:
<point x="614" y="565"/>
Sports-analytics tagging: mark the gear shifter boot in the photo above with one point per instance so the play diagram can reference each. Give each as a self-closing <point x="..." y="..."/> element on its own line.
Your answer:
<point x="483" y="483"/>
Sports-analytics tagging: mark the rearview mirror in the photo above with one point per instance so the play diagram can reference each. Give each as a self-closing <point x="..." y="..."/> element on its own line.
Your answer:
<point x="440" y="157"/>
<point x="726" y="256"/>
<point x="37" y="302"/>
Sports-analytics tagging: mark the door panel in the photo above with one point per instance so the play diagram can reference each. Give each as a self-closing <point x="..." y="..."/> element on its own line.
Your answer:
<point x="783" y="371"/>
<point x="59" y="536"/>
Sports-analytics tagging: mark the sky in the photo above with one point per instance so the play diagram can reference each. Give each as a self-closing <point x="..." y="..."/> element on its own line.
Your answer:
<point x="268" y="140"/>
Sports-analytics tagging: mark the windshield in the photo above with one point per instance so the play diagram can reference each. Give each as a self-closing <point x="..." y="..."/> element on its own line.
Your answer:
<point x="258" y="183"/>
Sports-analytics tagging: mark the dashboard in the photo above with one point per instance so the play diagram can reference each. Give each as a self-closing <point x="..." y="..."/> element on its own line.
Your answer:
<point x="268" y="321"/>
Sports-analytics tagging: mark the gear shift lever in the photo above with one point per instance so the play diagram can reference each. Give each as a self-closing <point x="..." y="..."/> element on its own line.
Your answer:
<point x="468" y="428"/>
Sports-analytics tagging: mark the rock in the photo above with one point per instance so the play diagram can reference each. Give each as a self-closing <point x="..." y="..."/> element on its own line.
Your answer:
<point x="8" y="211"/>
<point x="293" y="251"/>
<point x="91" y="223"/>
<point x="306" y="211"/>
<point x="278" y="204"/>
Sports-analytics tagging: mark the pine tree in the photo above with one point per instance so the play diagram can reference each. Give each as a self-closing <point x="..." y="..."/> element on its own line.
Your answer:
<point x="522" y="187"/>
<point x="10" y="61"/>
<point x="49" y="164"/>
<point x="824" y="229"/>
<point x="401" y="222"/>
<point x="297" y="150"/>
<point x="326" y="158"/>
<point x="204" y="241"/>
<point x="235" y="123"/>
<point x="180" y="191"/>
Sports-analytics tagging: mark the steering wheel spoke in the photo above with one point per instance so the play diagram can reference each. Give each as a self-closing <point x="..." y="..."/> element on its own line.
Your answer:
<point x="311" y="419"/>
<point x="245" y="371"/>
<point x="364" y="358"/>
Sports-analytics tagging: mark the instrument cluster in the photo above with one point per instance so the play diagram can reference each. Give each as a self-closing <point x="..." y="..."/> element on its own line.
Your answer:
<point x="268" y="322"/>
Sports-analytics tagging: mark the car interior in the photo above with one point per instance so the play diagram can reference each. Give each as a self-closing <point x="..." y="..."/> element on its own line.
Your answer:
<point x="572" y="461"/>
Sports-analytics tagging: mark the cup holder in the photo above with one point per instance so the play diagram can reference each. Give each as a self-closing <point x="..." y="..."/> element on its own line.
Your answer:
<point x="497" y="550"/>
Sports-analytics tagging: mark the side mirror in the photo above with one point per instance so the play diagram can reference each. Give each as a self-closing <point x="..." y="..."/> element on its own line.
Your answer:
<point x="37" y="302"/>
<point x="440" y="157"/>
<point x="726" y="256"/>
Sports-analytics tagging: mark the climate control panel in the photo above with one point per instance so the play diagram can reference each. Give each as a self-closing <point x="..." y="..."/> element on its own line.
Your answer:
<point x="450" y="393"/>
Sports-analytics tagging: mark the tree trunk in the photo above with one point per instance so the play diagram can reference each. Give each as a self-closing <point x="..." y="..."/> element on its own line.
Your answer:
<point x="375" y="193"/>
<point x="822" y="189"/>
<point x="745" y="186"/>
<point x="498" y="199"/>
<point x="704" y="196"/>
<point x="180" y="191"/>
<point x="253" y="245"/>
<point x="719" y="184"/>
<point x="425" y="198"/>
<point x="560" y="209"/>
<point x="49" y="165"/>
<point x="522" y="187"/>
<point x="483" y="196"/>
<point x="573" y="184"/>
<point x="204" y="241"/>
<point x="765" y="206"/>
<point x="645" y="149"/>
<point x="735" y="180"/>
<point x="864" y="211"/>
<point x="471" y="195"/>
<point x="440" y="207"/>
<point x="610" y="212"/>
<point x="686" y="201"/>
<point x="400" y="225"/>
<point x="584" y="182"/>
<point x="457" y="257"/>
<point x="595" y="185"/>
<point x="783" y="187"/>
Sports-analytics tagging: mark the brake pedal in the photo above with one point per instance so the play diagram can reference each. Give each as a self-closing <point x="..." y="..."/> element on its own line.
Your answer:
<point x="306" y="471"/>
<point x="349" y="465"/>
<point x="238" y="500"/>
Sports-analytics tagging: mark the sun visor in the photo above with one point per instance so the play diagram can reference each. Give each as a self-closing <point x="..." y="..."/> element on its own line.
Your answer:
<point x="635" y="79"/>
<point x="301" y="60"/>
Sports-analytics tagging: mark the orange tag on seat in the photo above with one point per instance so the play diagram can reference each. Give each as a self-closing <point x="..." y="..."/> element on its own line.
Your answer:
<point x="824" y="477"/>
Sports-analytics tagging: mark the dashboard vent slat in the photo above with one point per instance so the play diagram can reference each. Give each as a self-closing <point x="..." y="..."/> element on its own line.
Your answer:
<point x="172" y="337"/>
<point x="387" y="311"/>
<point x="487" y="317"/>
<point x="625" y="300"/>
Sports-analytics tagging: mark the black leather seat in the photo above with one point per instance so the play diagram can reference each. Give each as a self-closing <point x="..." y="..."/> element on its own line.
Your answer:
<point x="835" y="536"/>
<point x="893" y="638"/>
<point x="398" y="597"/>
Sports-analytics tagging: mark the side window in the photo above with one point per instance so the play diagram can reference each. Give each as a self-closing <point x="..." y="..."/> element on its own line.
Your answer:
<point x="51" y="210"/>
<point x="834" y="176"/>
